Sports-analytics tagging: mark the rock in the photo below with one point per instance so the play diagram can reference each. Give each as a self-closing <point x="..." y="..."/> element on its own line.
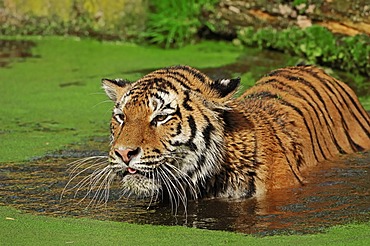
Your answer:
<point x="340" y="16"/>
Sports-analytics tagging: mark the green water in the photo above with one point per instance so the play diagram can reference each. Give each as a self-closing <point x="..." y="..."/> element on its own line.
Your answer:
<point x="54" y="99"/>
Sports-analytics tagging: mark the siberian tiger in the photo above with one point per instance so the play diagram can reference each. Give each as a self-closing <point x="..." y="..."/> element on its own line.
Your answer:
<point x="177" y="133"/>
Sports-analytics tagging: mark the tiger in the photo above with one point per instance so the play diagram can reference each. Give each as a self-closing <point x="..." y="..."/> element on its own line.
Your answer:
<point x="178" y="134"/>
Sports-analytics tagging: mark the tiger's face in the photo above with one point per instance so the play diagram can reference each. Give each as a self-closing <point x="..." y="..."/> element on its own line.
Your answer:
<point x="167" y="132"/>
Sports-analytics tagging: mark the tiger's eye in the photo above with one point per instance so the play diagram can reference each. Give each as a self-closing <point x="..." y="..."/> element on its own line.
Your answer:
<point x="158" y="118"/>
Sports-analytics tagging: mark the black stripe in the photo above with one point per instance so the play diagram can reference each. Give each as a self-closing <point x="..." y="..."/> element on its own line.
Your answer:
<point x="326" y="113"/>
<point x="269" y="95"/>
<point x="165" y="146"/>
<point x="162" y="89"/>
<point x="344" y="124"/>
<point x="181" y="82"/>
<point x="207" y="132"/>
<point x="262" y="95"/>
<point x="201" y="160"/>
<point x="280" y="142"/>
<point x="323" y="113"/>
<point x="251" y="185"/>
<point x="355" y="146"/>
<point x="170" y="74"/>
<point x="160" y="82"/>
<point x="193" y="132"/>
<point x="358" y="108"/>
<point x="156" y="151"/>
<point x="294" y="144"/>
<point x="171" y="86"/>
<point x="255" y="152"/>
<point x="186" y="100"/>
<point x="160" y="99"/>
<point x="168" y="106"/>
<point x="311" y="101"/>
<point x="273" y="73"/>
<point x="178" y="77"/>
<point x="178" y="130"/>
<point x="330" y="95"/>
<point x="193" y="72"/>
<point x="178" y="113"/>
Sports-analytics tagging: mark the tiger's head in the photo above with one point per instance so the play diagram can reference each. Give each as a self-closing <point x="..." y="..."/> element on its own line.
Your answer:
<point x="167" y="131"/>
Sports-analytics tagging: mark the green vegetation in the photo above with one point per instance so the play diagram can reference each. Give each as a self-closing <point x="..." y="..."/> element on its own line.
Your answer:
<point x="24" y="229"/>
<point x="54" y="99"/>
<point x="317" y="44"/>
<point x="118" y="20"/>
<point x="168" y="23"/>
<point x="174" y="23"/>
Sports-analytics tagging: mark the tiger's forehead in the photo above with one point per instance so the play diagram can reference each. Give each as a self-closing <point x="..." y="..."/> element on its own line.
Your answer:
<point x="150" y="94"/>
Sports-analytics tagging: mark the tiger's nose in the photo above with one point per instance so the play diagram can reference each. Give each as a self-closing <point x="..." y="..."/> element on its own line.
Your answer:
<point x="126" y="155"/>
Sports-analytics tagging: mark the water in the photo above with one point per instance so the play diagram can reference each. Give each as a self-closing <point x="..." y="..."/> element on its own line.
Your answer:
<point x="257" y="62"/>
<point x="337" y="192"/>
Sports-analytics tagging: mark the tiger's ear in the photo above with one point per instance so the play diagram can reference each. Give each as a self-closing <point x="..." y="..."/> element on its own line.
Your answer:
<point x="225" y="87"/>
<point x="115" y="88"/>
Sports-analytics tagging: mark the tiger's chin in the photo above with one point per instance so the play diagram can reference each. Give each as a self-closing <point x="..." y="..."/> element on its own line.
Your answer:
<point x="138" y="185"/>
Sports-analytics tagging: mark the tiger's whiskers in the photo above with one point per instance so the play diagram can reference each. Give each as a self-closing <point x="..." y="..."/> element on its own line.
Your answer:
<point x="97" y="182"/>
<point x="97" y="175"/>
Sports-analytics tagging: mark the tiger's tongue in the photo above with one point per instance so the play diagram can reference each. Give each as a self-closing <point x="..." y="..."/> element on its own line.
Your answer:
<point x="131" y="170"/>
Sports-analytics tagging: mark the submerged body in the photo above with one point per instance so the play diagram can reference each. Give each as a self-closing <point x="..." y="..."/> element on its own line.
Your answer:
<point x="176" y="132"/>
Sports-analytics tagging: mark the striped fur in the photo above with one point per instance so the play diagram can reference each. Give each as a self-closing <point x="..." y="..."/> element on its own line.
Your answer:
<point x="177" y="133"/>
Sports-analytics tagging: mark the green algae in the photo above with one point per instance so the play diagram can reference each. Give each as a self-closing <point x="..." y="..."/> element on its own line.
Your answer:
<point x="54" y="98"/>
<point x="24" y="229"/>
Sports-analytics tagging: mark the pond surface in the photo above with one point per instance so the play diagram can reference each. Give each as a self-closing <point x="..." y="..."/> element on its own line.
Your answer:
<point x="254" y="61"/>
<point x="338" y="192"/>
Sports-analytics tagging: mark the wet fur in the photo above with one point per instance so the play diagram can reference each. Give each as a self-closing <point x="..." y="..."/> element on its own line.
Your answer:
<point x="212" y="145"/>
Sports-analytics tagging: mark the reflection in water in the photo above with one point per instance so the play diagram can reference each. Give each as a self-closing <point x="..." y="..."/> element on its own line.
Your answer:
<point x="336" y="193"/>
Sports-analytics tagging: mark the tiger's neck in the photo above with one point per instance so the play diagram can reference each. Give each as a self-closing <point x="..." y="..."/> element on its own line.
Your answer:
<point x="255" y="158"/>
<point x="238" y="168"/>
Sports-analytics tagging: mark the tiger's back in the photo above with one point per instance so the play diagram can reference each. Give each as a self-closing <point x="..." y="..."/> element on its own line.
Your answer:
<point x="300" y="117"/>
<point x="325" y="104"/>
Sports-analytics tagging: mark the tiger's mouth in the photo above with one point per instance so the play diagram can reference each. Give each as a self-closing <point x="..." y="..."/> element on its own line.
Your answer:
<point x="129" y="171"/>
